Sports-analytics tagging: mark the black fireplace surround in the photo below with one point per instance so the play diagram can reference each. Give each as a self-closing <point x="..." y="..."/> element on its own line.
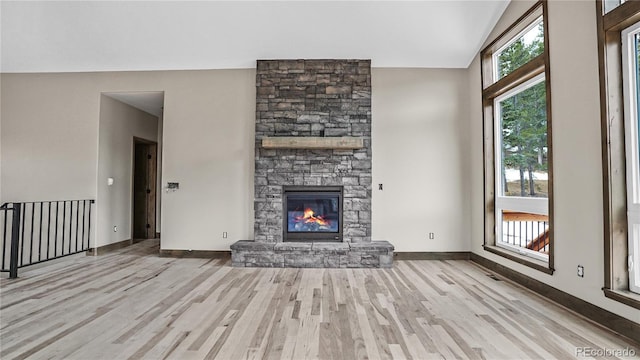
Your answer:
<point x="312" y="213"/>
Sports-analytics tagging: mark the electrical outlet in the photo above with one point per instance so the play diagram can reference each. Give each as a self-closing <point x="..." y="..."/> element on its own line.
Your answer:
<point x="224" y="235"/>
<point x="580" y="271"/>
<point x="431" y="236"/>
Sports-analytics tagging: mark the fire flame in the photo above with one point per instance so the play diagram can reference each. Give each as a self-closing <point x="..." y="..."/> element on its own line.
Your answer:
<point x="309" y="217"/>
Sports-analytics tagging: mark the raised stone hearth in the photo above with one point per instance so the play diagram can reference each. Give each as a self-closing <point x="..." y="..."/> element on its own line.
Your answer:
<point x="313" y="129"/>
<point x="312" y="254"/>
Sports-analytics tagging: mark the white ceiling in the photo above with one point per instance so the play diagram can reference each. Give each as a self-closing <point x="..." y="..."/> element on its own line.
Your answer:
<point x="151" y="102"/>
<point x="72" y="36"/>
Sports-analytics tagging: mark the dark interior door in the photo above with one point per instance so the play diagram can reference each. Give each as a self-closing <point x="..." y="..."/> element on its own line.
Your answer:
<point x="144" y="191"/>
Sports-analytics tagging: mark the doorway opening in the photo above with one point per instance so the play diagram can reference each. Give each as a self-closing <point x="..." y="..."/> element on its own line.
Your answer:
<point x="127" y="119"/>
<point x="145" y="174"/>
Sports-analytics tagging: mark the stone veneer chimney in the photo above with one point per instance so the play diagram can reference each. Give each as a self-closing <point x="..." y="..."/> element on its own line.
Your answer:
<point x="319" y="98"/>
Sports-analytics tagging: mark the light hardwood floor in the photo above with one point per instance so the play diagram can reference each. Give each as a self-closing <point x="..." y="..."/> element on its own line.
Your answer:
<point x="132" y="304"/>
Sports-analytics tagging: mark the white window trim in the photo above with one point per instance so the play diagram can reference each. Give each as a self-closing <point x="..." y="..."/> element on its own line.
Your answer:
<point x="629" y="65"/>
<point x="514" y="203"/>
<point x="523" y="204"/>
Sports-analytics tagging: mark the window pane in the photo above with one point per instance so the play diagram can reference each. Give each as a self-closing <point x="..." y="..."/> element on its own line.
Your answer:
<point x="611" y="4"/>
<point x="632" y="120"/>
<point x="631" y="80"/>
<point x="523" y="124"/>
<point x="521" y="51"/>
<point x="634" y="251"/>
<point x="636" y="55"/>
<point x="633" y="212"/>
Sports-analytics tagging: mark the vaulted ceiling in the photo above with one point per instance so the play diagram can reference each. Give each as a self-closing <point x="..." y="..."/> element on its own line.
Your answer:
<point x="72" y="36"/>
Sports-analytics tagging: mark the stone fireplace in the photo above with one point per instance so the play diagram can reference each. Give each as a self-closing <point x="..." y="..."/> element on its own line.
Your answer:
<point x="313" y="167"/>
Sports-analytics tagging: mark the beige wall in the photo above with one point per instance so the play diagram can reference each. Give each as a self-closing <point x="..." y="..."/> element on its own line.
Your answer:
<point x="420" y="156"/>
<point x="1" y="197"/>
<point x="118" y="124"/>
<point x="208" y="145"/>
<point x="577" y="177"/>
<point x="50" y="146"/>
<point x="49" y="138"/>
<point x="209" y="149"/>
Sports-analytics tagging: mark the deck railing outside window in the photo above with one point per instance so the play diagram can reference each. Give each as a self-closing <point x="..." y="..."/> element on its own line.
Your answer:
<point x="526" y="232"/>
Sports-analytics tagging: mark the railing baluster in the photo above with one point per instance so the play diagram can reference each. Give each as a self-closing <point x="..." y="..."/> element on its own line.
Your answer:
<point x="33" y="209"/>
<point x="4" y="237"/>
<point x="77" y="221"/>
<point x="520" y="232"/>
<point x="508" y="232"/>
<point x="84" y="214"/>
<point x="70" y="223"/>
<point x="55" y="234"/>
<point x="40" y="233"/>
<point x="15" y="239"/>
<point x="24" y="213"/>
<point x="48" y="227"/>
<point x="64" y="224"/>
<point x="545" y="229"/>
<point x="89" y="227"/>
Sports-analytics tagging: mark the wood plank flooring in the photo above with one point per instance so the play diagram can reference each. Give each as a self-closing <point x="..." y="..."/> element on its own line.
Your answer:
<point x="132" y="304"/>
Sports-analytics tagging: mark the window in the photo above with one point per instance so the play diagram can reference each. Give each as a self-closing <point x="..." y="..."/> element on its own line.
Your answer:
<point x="521" y="169"/>
<point x="619" y="55"/>
<point x="517" y="143"/>
<point x="520" y="50"/>
<point x="630" y="72"/>
<point x="611" y="4"/>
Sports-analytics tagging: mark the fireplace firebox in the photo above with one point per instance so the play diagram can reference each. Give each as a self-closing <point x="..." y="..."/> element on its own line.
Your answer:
<point x="312" y="213"/>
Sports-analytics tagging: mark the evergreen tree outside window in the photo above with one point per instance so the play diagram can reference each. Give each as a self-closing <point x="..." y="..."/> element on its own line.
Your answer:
<point x="520" y="50"/>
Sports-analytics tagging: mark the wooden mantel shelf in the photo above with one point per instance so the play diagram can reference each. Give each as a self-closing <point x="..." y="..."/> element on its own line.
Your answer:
<point x="307" y="142"/>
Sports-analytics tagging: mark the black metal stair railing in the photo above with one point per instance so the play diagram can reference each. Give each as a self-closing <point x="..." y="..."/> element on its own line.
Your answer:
<point x="35" y="232"/>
